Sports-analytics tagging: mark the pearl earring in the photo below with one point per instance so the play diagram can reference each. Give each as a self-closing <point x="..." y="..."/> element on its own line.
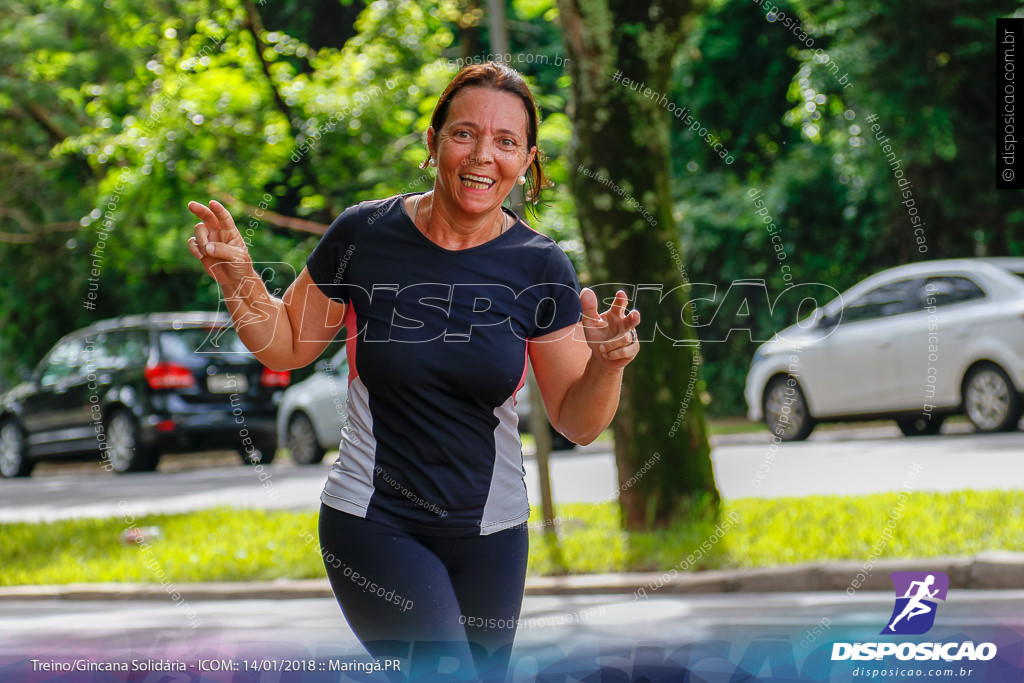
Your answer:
<point x="521" y="180"/>
<point x="432" y="162"/>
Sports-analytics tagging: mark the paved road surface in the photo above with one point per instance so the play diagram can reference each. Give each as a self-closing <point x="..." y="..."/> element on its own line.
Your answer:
<point x="631" y="632"/>
<point x="857" y="462"/>
<point x="947" y="462"/>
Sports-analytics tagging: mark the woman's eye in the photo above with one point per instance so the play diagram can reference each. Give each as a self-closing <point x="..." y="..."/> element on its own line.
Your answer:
<point x="462" y="134"/>
<point x="508" y="142"/>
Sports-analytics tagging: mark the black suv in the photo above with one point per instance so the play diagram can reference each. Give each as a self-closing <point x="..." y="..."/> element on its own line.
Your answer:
<point x="134" y="387"/>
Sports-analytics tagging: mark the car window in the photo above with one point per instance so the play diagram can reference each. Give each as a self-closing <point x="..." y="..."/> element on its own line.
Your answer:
<point x="98" y="352"/>
<point x="947" y="290"/>
<point x="182" y="345"/>
<point x="65" y="360"/>
<point x="890" y="299"/>
<point x="133" y="347"/>
<point x="119" y="349"/>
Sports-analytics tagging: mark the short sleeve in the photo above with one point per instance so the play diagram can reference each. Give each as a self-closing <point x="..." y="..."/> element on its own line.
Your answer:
<point x="329" y="262"/>
<point x="560" y="295"/>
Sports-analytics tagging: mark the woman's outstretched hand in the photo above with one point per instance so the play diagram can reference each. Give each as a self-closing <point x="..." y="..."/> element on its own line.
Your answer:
<point x="611" y="335"/>
<point x="218" y="244"/>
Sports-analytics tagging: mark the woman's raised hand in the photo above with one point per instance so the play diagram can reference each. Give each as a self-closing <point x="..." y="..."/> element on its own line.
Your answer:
<point x="218" y="244"/>
<point x="611" y="335"/>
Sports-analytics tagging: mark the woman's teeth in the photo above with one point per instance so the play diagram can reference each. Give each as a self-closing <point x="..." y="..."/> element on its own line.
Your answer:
<point x="476" y="182"/>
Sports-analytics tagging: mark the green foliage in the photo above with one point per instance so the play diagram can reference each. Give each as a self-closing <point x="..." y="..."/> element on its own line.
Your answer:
<point x="796" y="121"/>
<point x="322" y="104"/>
<point x="239" y="545"/>
<point x="118" y="113"/>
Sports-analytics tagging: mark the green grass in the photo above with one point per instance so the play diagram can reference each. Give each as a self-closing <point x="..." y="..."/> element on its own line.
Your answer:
<point x="238" y="545"/>
<point x="211" y="545"/>
<point x="734" y="425"/>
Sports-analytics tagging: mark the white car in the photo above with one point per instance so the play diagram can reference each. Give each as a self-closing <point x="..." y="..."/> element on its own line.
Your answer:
<point x="915" y="343"/>
<point x="313" y="412"/>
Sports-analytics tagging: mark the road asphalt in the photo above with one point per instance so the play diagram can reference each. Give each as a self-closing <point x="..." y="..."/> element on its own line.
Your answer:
<point x="993" y="570"/>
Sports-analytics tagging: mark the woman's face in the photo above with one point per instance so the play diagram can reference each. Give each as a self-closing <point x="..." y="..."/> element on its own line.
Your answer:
<point x="481" y="149"/>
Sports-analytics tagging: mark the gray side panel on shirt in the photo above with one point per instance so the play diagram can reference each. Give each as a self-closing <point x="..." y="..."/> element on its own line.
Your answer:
<point x="506" y="504"/>
<point x="350" y="482"/>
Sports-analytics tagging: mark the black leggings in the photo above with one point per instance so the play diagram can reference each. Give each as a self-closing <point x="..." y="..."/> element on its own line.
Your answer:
<point x="447" y="607"/>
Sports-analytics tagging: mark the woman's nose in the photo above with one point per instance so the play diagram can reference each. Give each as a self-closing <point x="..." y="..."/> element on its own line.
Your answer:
<point x="483" y="151"/>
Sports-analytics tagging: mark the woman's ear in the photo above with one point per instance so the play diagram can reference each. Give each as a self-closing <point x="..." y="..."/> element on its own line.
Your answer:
<point x="432" y="142"/>
<point x="529" y="160"/>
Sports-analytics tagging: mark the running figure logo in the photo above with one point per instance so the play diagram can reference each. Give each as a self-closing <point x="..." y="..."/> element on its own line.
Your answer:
<point x="914" y="612"/>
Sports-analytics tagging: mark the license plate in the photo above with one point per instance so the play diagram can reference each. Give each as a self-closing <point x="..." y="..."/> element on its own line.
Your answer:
<point x="227" y="383"/>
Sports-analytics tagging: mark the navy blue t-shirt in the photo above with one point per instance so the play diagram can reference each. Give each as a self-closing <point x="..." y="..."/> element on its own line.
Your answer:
<point x="437" y="349"/>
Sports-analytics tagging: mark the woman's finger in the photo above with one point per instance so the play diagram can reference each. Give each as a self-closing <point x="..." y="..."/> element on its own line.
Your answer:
<point x="632" y="319"/>
<point x="193" y="247"/>
<point x="202" y="236"/>
<point x="210" y="226"/>
<point x="222" y="251"/>
<point x="618" y="307"/>
<point x="227" y="223"/>
<point x="218" y="229"/>
<point x="625" y="353"/>
<point x="620" y="327"/>
<point x="622" y="336"/>
<point x="588" y="302"/>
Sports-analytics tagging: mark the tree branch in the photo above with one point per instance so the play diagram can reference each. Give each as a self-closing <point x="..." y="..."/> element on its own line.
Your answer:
<point x="290" y="222"/>
<point x="255" y="27"/>
<point x="33" y="231"/>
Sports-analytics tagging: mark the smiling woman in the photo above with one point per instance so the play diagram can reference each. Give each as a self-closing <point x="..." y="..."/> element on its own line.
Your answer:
<point x="444" y="295"/>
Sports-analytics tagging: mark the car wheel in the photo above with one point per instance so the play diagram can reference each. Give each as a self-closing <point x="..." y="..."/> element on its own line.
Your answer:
<point x="302" y="441"/>
<point x="785" y="410"/>
<point x="920" y="425"/>
<point x="990" y="399"/>
<point x="124" y="451"/>
<point x="262" y="452"/>
<point x="14" y="461"/>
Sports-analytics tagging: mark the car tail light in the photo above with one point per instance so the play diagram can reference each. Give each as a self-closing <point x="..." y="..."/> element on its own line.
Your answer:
<point x="165" y="426"/>
<point x="275" y="378"/>
<point x="169" y="376"/>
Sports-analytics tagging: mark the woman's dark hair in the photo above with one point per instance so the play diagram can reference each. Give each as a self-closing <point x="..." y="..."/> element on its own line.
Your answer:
<point x="501" y="77"/>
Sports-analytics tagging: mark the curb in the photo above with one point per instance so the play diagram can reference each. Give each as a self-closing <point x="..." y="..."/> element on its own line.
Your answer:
<point x="987" y="571"/>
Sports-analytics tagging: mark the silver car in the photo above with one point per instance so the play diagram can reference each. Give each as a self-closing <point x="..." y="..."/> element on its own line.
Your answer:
<point x="915" y="344"/>
<point x="313" y="413"/>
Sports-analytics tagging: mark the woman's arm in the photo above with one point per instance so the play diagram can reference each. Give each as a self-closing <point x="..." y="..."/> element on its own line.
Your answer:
<point x="283" y="334"/>
<point x="579" y="369"/>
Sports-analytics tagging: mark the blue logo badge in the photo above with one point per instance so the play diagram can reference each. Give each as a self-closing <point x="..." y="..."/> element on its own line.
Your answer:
<point x="916" y="593"/>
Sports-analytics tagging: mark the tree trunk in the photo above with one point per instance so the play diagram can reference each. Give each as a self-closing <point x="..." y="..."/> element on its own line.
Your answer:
<point x="620" y="151"/>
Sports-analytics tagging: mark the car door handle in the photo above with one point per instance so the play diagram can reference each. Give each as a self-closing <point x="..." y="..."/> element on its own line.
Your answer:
<point x="883" y="343"/>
